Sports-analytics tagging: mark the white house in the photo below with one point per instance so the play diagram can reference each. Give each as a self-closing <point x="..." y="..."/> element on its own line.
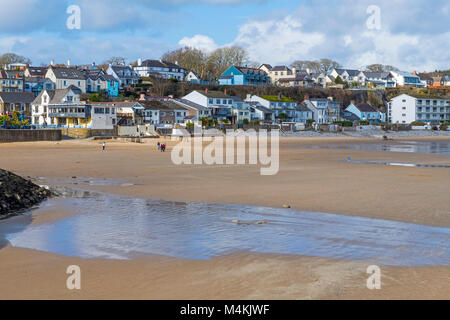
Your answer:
<point x="349" y="75"/>
<point x="319" y="107"/>
<point x="63" y="78"/>
<point x="285" y="109"/>
<point x="40" y="105"/>
<point x="160" y="69"/>
<point x="220" y="104"/>
<point x="405" y="109"/>
<point x="379" y="79"/>
<point x="403" y="78"/>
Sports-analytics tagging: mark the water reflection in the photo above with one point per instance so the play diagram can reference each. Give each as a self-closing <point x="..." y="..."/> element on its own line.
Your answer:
<point x="116" y="227"/>
<point x="440" y="147"/>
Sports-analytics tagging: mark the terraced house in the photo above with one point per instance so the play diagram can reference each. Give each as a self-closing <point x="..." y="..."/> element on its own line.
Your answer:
<point x="244" y="76"/>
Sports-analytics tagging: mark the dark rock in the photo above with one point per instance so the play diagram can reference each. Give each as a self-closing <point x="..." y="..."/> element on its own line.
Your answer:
<point x="18" y="194"/>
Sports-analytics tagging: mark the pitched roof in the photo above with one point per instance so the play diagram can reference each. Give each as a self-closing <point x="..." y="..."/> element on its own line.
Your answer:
<point x="298" y="77"/>
<point x="8" y="73"/>
<point x="303" y="107"/>
<point x="161" y="105"/>
<point x="280" y="68"/>
<point x="351" y="72"/>
<point x="382" y="75"/>
<point x="56" y="95"/>
<point x="160" y="64"/>
<point x="37" y="71"/>
<point x="17" y="97"/>
<point x="191" y="104"/>
<point x="268" y="66"/>
<point x="68" y="73"/>
<point x="365" y="107"/>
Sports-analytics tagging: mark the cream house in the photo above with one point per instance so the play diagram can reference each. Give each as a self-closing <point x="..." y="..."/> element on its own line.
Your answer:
<point x="63" y="78"/>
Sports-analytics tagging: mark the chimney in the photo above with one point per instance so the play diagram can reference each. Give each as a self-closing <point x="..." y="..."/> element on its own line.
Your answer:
<point x="353" y="102"/>
<point x="52" y="62"/>
<point x="68" y="62"/>
<point x="139" y="62"/>
<point x="330" y="98"/>
<point x="225" y="91"/>
<point x="294" y="71"/>
<point x="249" y="96"/>
<point x="142" y="97"/>
<point x="306" y="97"/>
<point x="415" y="73"/>
<point x="206" y="90"/>
<point x="308" y="71"/>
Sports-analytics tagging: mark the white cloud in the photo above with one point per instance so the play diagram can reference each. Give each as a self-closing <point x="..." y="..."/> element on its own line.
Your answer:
<point x="277" y="40"/>
<point x="200" y="42"/>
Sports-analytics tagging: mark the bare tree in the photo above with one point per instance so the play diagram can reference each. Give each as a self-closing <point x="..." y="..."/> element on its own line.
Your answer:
<point x="223" y="58"/>
<point x="189" y="59"/>
<point x="327" y="65"/>
<point x="116" y="61"/>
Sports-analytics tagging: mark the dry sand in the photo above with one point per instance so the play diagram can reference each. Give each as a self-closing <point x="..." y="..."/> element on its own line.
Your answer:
<point x="309" y="179"/>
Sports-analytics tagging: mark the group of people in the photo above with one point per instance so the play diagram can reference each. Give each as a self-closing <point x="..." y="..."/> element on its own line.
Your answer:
<point x="161" y="147"/>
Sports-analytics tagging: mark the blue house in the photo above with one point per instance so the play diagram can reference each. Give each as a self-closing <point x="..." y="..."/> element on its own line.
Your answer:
<point x="366" y="112"/>
<point x="244" y="76"/>
<point x="112" y="85"/>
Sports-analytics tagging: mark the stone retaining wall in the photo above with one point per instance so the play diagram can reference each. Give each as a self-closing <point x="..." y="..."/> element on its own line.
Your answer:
<point x="24" y="135"/>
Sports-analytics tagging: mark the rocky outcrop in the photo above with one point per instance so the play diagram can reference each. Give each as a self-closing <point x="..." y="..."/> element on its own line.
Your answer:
<point x="18" y="194"/>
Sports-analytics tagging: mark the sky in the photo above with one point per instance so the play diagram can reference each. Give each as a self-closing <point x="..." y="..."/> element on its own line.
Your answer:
<point x="409" y="34"/>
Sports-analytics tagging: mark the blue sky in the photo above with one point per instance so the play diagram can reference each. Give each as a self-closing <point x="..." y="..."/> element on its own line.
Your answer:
<point x="412" y="35"/>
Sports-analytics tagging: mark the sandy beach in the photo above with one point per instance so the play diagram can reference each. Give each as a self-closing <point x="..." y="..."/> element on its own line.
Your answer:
<point x="317" y="180"/>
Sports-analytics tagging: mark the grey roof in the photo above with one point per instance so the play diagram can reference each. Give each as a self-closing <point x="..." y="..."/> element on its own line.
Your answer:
<point x="160" y="64"/>
<point x="56" y="95"/>
<point x="381" y="75"/>
<point x="17" y="97"/>
<point x="446" y="77"/>
<point x="37" y="71"/>
<point x="303" y="107"/>
<point x="351" y="72"/>
<point x="161" y="105"/>
<point x="236" y="99"/>
<point x="263" y="109"/>
<point x="249" y="70"/>
<point x="365" y="107"/>
<point x="268" y="66"/>
<point x="68" y="73"/>
<point x="298" y="77"/>
<point x="280" y="68"/>
<point x="192" y="104"/>
<point x="9" y="73"/>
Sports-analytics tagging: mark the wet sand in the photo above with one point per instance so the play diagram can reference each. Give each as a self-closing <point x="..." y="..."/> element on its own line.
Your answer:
<point x="309" y="179"/>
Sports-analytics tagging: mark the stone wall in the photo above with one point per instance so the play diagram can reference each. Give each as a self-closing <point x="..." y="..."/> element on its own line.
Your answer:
<point x="23" y="135"/>
<point x="83" y="133"/>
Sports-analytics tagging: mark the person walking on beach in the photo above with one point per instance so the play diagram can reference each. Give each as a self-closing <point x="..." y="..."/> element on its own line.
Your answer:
<point x="103" y="146"/>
